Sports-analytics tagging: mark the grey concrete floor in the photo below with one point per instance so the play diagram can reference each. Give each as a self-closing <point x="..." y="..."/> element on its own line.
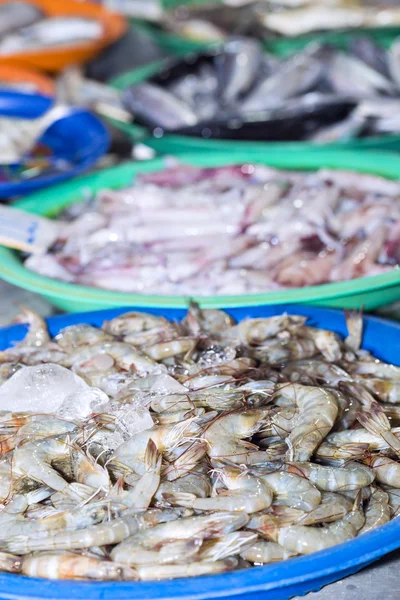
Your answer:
<point x="381" y="580"/>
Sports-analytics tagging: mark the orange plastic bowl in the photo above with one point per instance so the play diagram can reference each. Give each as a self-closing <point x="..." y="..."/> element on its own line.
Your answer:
<point x="42" y="83"/>
<point x="57" y="58"/>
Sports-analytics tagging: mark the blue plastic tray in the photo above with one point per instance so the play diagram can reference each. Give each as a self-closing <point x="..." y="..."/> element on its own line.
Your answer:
<point x="79" y="137"/>
<point x="23" y="105"/>
<point x="278" y="581"/>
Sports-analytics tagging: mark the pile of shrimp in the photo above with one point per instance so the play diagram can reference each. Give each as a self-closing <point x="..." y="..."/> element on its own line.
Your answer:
<point x="270" y="439"/>
<point x="231" y="230"/>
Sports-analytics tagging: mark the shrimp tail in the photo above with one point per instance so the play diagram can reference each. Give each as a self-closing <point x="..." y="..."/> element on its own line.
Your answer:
<point x="376" y="422"/>
<point x="354" y="322"/>
<point x="152" y="457"/>
<point x="179" y="499"/>
<point x="186" y="462"/>
<point x="354" y="451"/>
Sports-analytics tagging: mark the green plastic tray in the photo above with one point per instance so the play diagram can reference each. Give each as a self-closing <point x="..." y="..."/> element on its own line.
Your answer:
<point x="370" y="292"/>
<point x="181" y="144"/>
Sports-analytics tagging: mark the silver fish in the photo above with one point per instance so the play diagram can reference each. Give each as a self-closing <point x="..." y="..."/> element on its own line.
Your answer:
<point x="394" y="61"/>
<point x="52" y="32"/>
<point x="349" y="75"/>
<point x="158" y="107"/>
<point x="237" y="67"/>
<point x="298" y="74"/>
<point x="365" y="49"/>
<point x="14" y="15"/>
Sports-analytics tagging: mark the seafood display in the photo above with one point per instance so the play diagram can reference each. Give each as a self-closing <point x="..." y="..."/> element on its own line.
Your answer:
<point x="215" y="21"/>
<point x="150" y="449"/>
<point x="24" y="27"/>
<point x="321" y="94"/>
<point x="229" y="230"/>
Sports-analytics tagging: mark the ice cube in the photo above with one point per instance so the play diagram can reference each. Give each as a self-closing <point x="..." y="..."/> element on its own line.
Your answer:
<point x="40" y="389"/>
<point x="133" y="418"/>
<point x="79" y="405"/>
<point x="109" y="440"/>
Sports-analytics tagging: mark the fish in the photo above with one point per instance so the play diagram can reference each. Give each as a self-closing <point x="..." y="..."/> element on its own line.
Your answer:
<point x="18" y="14"/>
<point x="297" y="75"/>
<point x="349" y="75"/>
<point x="53" y="31"/>
<point x="308" y="95"/>
<point x="322" y="17"/>
<point x="366" y="50"/>
<point x="394" y="62"/>
<point x="237" y="67"/>
<point x="157" y="107"/>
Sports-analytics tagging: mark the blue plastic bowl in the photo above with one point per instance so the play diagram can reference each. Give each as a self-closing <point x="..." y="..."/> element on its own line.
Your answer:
<point x="79" y="137"/>
<point x="23" y="104"/>
<point x="278" y="581"/>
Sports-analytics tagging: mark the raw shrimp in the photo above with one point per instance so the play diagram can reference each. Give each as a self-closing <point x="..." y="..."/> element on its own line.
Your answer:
<point x="255" y="331"/>
<point x="239" y="464"/>
<point x="193" y="569"/>
<point x="131" y="453"/>
<point x="336" y="456"/>
<point x="291" y="490"/>
<point x="10" y="563"/>
<point x="142" y="493"/>
<point x="88" y="471"/>
<point x="303" y="539"/>
<point x="212" y="321"/>
<point x="195" y="483"/>
<point x="335" y="479"/>
<point x="325" y="341"/>
<point x="38" y="334"/>
<point x="386" y="390"/>
<point x="387" y="471"/>
<point x="280" y="422"/>
<point x="394" y="501"/>
<point x="318" y="410"/>
<point x="332" y="507"/>
<point x="229" y="545"/>
<point x="125" y="356"/>
<point x="244" y="492"/>
<point x="377" y="512"/>
<point x="375" y="368"/>
<point x="213" y="525"/>
<point x="180" y="551"/>
<point x="330" y="373"/>
<point x="376" y="422"/>
<point x="170" y="348"/>
<point x="224" y="436"/>
<point x="76" y="518"/>
<point x="103" y="534"/>
<point x="135" y="322"/>
<point x="81" y="335"/>
<point x="34" y="460"/>
<point x="269" y="523"/>
<point x="186" y="461"/>
<point x="266" y="552"/>
<point x="358" y="436"/>
<point x="277" y="351"/>
<point x="65" y="565"/>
